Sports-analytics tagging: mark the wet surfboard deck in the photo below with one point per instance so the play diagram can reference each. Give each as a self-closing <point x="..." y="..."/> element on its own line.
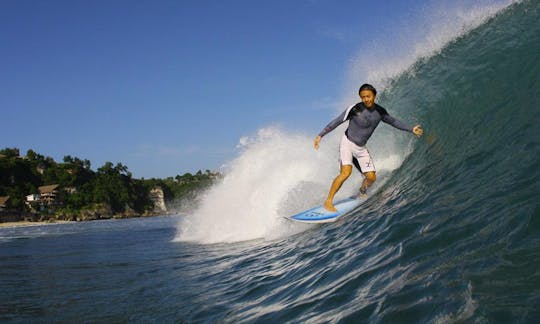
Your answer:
<point x="320" y="215"/>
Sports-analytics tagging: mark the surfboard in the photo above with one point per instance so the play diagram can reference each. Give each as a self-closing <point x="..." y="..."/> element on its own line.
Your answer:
<point x="320" y="215"/>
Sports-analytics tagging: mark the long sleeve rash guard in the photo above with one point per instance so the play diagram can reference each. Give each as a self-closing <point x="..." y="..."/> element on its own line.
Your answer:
<point x="362" y="122"/>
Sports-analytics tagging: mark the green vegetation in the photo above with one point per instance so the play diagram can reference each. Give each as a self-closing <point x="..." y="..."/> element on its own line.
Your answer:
<point x="81" y="188"/>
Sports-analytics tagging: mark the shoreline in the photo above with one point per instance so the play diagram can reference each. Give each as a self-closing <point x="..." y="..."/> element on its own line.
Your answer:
<point x="30" y="224"/>
<point x="25" y="223"/>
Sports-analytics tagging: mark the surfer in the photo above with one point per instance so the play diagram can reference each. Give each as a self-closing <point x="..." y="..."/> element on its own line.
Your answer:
<point x="363" y="118"/>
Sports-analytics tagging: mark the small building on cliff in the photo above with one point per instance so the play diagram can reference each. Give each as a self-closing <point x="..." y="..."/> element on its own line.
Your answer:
<point x="3" y="203"/>
<point x="46" y="198"/>
<point x="7" y="214"/>
<point x="48" y="194"/>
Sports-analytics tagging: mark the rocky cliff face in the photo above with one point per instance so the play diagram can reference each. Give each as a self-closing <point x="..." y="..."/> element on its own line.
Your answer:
<point x="101" y="211"/>
<point x="92" y="212"/>
<point x="157" y="196"/>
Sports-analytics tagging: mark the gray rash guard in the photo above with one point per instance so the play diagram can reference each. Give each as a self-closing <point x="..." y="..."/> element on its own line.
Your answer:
<point x="362" y="122"/>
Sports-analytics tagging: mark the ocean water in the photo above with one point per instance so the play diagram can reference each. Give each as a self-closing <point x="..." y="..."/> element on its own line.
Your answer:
<point x="451" y="232"/>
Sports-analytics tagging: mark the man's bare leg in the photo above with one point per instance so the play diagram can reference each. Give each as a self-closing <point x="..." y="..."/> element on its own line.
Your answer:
<point x="369" y="179"/>
<point x="344" y="173"/>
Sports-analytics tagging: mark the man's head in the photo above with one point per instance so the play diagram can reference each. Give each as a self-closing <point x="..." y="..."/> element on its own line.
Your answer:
<point x="367" y="93"/>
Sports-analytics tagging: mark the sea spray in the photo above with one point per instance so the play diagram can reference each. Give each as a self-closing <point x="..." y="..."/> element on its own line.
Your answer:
<point x="246" y="203"/>
<point x="277" y="173"/>
<point x="441" y="23"/>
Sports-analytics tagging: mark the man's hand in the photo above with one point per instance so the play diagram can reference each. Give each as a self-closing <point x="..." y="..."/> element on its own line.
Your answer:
<point x="417" y="130"/>
<point x="316" y="142"/>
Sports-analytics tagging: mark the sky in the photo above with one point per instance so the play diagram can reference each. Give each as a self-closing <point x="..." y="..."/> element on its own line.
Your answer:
<point x="169" y="87"/>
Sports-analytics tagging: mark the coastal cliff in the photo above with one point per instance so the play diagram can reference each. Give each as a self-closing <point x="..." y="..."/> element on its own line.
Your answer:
<point x="36" y="188"/>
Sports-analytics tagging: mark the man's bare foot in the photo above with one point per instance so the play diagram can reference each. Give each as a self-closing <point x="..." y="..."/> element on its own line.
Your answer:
<point x="363" y="192"/>
<point x="329" y="206"/>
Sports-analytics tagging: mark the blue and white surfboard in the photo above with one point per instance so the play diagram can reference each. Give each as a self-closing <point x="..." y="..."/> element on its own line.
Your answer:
<point x="320" y="215"/>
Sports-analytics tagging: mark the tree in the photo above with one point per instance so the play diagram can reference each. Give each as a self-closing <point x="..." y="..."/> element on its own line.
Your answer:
<point x="113" y="185"/>
<point x="10" y="152"/>
<point x="16" y="178"/>
<point x="81" y="187"/>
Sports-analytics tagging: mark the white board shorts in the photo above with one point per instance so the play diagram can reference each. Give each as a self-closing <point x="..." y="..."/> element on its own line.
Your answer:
<point x="348" y="149"/>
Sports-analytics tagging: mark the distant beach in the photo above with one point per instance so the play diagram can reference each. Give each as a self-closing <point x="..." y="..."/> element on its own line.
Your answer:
<point x="25" y="223"/>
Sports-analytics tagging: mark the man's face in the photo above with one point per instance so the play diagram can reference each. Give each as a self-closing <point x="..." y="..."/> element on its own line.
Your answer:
<point x="368" y="98"/>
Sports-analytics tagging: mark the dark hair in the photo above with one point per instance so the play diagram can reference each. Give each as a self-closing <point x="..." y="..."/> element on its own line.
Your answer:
<point x="367" y="86"/>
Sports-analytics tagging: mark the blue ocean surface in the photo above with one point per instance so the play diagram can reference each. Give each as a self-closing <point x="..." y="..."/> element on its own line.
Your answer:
<point x="452" y="236"/>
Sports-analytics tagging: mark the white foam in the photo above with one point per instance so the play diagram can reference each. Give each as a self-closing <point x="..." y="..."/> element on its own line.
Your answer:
<point x="276" y="174"/>
<point x="246" y="204"/>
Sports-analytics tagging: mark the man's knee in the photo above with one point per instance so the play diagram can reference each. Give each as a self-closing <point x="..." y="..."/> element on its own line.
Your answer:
<point x="345" y="171"/>
<point x="371" y="176"/>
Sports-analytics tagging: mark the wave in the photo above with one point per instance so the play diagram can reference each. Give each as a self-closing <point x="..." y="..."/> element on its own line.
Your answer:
<point x="278" y="173"/>
<point x="451" y="235"/>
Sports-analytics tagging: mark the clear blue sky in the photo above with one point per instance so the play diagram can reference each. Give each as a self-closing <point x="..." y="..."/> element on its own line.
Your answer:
<point x="168" y="87"/>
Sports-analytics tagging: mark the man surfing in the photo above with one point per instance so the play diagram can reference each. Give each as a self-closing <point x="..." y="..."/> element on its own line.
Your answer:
<point x="363" y="118"/>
